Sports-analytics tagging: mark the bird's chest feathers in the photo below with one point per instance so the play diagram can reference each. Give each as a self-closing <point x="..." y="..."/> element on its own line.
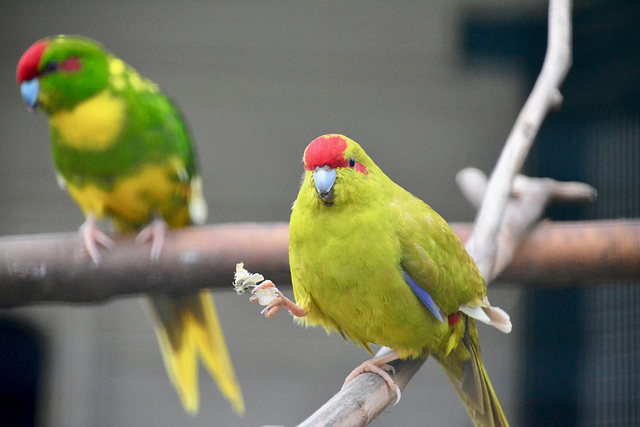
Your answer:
<point x="347" y="274"/>
<point x="94" y="124"/>
<point x="351" y="258"/>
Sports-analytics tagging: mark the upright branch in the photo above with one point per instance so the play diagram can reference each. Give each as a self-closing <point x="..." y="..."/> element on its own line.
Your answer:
<point x="544" y="97"/>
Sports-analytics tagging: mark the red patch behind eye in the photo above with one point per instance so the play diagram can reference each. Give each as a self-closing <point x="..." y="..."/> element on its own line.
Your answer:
<point x="326" y="150"/>
<point x="361" y="168"/>
<point x="28" y="64"/>
<point x="71" y="64"/>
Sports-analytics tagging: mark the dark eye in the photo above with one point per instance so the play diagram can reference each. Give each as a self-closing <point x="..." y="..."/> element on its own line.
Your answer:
<point x="352" y="162"/>
<point x="49" y="67"/>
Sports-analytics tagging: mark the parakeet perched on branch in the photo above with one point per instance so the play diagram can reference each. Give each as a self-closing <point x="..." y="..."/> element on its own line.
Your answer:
<point x="378" y="265"/>
<point x="123" y="152"/>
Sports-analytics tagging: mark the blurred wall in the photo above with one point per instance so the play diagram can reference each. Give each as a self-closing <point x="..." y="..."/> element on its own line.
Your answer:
<point x="257" y="81"/>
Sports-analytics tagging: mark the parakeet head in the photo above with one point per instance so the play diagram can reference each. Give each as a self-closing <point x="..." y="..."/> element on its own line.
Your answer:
<point x="339" y="168"/>
<point x="56" y="73"/>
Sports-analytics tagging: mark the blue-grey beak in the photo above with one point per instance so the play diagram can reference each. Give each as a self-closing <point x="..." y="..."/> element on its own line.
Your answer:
<point x="30" y="90"/>
<point x="323" y="178"/>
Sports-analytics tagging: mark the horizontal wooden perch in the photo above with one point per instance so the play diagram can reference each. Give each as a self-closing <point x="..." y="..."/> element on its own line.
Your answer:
<point x="55" y="267"/>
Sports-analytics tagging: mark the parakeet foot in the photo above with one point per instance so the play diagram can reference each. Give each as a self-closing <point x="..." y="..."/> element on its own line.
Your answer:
<point x="280" y="301"/>
<point x="379" y="365"/>
<point x="156" y="231"/>
<point x="92" y="236"/>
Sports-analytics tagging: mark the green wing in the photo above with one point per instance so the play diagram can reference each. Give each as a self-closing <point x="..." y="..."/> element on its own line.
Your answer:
<point x="434" y="257"/>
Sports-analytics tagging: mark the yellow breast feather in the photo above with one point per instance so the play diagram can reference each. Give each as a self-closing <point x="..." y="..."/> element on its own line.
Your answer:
<point x="93" y="124"/>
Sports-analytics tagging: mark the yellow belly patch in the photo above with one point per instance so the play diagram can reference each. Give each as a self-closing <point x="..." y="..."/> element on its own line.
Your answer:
<point x="135" y="199"/>
<point x="92" y="125"/>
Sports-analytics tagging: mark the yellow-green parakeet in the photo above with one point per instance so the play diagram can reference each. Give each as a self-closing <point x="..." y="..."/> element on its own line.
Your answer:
<point x="373" y="262"/>
<point x="123" y="152"/>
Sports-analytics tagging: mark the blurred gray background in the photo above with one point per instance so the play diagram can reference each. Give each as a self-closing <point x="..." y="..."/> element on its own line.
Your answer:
<point x="257" y="81"/>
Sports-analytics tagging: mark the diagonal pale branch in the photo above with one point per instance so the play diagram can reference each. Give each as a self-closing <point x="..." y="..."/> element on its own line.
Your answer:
<point x="544" y="97"/>
<point x="483" y="244"/>
<point x="349" y="408"/>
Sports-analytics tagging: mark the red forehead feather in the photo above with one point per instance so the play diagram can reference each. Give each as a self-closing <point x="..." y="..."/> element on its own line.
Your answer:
<point x="28" y="65"/>
<point x="326" y="150"/>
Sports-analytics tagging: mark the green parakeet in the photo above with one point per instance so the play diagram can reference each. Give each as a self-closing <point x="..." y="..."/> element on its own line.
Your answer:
<point x="123" y="152"/>
<point x="373" y="262"/>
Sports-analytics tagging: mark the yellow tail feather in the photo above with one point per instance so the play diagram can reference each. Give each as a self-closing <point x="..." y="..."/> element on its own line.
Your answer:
<point x="188" y="328"/>
<point x="464" y="368"/>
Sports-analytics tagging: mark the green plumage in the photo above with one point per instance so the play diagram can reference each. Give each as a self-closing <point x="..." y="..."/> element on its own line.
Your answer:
<point x="347" y="258"/>
<point x="122" y="150"/>
<point x="151" y="131"/>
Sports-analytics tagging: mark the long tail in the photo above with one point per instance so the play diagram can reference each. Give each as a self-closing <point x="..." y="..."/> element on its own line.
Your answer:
<point x="188" y="328"/>
<point x="465" y="370"/>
